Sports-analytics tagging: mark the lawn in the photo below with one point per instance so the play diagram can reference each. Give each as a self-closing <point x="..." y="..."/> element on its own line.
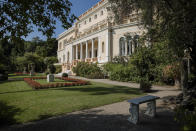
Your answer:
<point x="19" y="103"/>
<point x="25" y="76"/>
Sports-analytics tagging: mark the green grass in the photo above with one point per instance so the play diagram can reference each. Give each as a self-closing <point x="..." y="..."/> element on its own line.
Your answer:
<point x="25" y="76"/>
<point x="19" y="103"/>
<point x="44" y="81"/>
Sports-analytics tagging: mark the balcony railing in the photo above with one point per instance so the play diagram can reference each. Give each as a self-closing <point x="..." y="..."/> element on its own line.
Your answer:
<point x="100" y="25"/>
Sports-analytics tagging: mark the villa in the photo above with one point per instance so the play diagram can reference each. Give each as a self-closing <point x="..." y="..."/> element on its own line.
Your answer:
<point x="96" y="38"/>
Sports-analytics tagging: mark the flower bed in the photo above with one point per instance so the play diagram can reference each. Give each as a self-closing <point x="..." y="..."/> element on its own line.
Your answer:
<point x="36" y="85"/>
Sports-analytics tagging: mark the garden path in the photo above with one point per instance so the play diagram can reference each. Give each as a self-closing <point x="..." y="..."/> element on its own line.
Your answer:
<point x="111" y="117"/>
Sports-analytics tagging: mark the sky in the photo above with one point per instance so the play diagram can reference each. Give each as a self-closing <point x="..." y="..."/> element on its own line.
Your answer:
<point x="78" y="8"/>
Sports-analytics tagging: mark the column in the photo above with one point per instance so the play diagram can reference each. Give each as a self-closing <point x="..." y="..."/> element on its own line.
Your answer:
<point x="107" y="49"/>
<point x="86" y="49"/>
<point x="126" y="47"/>
<point x="99" y="48"/>
<point x="72" y="53"/>
<point x="81" y="52"/>
<point x="76" y="52"/>
<point x="92" y="55"/>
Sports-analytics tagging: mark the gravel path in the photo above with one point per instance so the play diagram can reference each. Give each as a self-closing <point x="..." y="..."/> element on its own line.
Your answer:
<point x="111" y="117"/>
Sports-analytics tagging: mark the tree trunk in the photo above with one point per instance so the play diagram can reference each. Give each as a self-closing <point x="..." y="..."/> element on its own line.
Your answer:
<point x="184" y="77"/>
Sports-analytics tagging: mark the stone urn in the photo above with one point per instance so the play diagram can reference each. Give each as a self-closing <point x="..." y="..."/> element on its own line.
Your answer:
<point x="50" y="78"/>
<point x="25" y="71"/>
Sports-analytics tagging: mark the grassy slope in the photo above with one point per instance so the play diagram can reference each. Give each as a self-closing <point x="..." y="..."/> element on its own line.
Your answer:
<point x="26" y="105"/>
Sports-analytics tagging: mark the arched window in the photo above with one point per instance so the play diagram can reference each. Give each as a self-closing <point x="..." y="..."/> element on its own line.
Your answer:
<point x="103" y="47"/>
<point x="122" y="46"/>
<point x="129" y="45"/>
<point x="60" y="46"/>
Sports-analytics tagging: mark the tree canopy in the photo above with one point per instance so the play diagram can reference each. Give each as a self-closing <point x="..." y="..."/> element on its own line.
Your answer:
<point x="171" y="20"/>
<point x="19" y="17"/>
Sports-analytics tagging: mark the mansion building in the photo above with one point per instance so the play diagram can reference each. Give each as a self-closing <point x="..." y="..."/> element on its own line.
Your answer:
<point x="96" y="38"/>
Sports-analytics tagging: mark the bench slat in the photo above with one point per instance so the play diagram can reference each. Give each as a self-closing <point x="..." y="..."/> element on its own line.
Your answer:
<point x="143" y="99"/>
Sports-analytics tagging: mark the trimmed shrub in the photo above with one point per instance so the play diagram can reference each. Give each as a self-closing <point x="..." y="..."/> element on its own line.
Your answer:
<point x="96" y="75"/>
<point x="47" y="73"/>
<point x="88" y="70"/>
<point x="64" y="75"/>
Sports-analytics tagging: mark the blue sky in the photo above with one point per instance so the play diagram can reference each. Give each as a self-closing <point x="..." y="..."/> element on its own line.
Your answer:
<point x="79" y="7"/>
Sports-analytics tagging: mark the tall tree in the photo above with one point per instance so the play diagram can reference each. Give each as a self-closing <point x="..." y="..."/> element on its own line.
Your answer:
<point x="171" y="20"/>
<point x="18" y="17"/>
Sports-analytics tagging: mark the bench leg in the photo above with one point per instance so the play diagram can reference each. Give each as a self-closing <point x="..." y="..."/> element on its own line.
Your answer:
<point x="151" y="109"/>
<point x="134" y="111"/>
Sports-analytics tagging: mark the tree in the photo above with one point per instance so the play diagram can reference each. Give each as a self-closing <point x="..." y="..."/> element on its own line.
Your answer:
<point x="28" y="59"/>
<point x="19" y="17"/>
<point x="50" y="60"/>
<point x="172" y="20"/>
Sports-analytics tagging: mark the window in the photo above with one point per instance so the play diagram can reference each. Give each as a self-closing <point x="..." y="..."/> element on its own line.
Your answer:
<point x="85" y="22"/>
<point x="102" y="12"/>
<point x="68" y="57"/>
<point x="129" y="45"/>
<point x="96" y="53"/>
<point x="122" y="46"/>
<point x="95" y="16"/>
<point x="89" y="19"/>
<point x="103" y="46"/>
<point x="135" y="39"/>
<point x="60" y="46"/>
<point x="64" y="43"/>
<point x="79" y="25"/>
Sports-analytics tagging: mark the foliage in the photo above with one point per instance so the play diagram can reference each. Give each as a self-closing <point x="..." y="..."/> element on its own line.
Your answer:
<point x="85" y="70"/>
<point x="96" y="75"/>
<point x="172" y="21"/>
<point x="147" y="63"/>
<point x="40" y="13"/>
<point x="28" y="59"/>
<point x="50" y="60"/>
<point x="186" y="117"/>
<point x="120" y="72"/>
<point x="51" y="69"/>
<point x="171" y="71"/>
<point x="58" y="69"/>
<point x="145" y="85"/>
<point x="120" y="60"/>
<point x="64" y="75"/>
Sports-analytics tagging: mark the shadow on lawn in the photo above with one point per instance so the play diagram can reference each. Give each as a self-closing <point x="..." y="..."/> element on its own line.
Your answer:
<point x="90" y="121"/>
<point x="7" y="114"/>
<point x="103" y="90"/>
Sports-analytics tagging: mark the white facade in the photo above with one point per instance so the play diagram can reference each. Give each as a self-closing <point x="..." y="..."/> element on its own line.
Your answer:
<point x="95" y="37"/>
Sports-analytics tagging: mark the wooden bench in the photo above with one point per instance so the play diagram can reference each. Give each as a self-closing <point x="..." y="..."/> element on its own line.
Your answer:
<point x="134" y="107"/>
